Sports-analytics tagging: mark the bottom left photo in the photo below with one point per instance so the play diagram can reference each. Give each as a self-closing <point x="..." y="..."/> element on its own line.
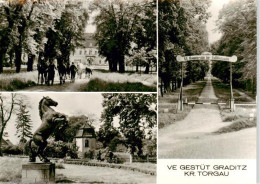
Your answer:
<point x="78" y="137"/>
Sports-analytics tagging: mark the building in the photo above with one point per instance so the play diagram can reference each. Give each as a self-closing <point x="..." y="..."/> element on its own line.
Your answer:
<point x="88" y="54"/>
<point x="85" y="139"/>
<point x="6" y="143"/>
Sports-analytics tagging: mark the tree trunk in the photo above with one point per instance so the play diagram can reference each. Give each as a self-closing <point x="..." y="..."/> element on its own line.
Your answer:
<point x="147" y="68"/>
<point x="1" y="137"/>
<point x="18" y="58"/>
<point x="2" y="57"/>
<point x="30" y="62"/>
<point x="122" y="66"/>
<point x="121" y="62"/>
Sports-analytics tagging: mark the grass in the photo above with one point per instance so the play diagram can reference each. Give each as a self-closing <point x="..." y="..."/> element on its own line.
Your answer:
<point x="11" y="169"/>
<point x="10" y="81"/>
<point x="17" y="81"/>
<point x="168" y="113"/>
<point x="222" y="91"/>
<point x="241" y="118"/>
<point x="101" y="85"/>
<point x="237" y="125"/>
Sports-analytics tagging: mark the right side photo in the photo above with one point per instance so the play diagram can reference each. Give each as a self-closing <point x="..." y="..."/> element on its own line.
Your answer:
<point x="207" y="100"/>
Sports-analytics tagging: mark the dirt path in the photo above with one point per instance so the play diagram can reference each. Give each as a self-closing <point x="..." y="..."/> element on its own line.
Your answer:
<point x="193" y="138"/>
<point x="88" y="174"/>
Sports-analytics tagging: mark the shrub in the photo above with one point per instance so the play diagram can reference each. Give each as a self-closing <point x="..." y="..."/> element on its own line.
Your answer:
<point x="61" y="149"/>
<point x="89" y="154"/>
<point x="12" y="150"/>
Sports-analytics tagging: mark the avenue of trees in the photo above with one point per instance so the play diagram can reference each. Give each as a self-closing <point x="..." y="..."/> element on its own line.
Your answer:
<point x="182" y="31"/>
<point x="237" y="23"/>
<point x="126" y="29"/>
<point x="32" y="28"/>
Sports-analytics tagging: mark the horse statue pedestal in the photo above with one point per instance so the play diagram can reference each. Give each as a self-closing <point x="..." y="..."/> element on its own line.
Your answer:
<point x="38" y="173"/>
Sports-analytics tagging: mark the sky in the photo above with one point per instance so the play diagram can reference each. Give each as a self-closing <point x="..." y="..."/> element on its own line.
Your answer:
<point x="214" y="9"/>
<point x="68" y="104"/>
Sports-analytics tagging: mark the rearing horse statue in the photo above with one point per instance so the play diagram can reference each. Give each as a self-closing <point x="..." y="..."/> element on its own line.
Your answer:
<point x="51" y="122"/>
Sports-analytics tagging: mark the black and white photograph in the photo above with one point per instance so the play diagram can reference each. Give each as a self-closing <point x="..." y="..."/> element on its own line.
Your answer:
<point x="207" y="79"/>
<point x="77" y="46"/>
<point x="78" y="137"/>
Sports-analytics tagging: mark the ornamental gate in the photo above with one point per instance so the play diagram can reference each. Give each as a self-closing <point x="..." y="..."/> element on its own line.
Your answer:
<point x="205" y="56"/>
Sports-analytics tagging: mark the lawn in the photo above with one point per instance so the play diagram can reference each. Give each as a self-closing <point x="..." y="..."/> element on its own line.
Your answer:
<point x="100" y="81"/>
<point x="168" y="104"/>
<point x="11" y="169"/>
<point x="222" y="91"/>
<point x="243" y="116"/>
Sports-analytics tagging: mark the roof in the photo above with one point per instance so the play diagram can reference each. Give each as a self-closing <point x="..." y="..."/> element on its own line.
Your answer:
<point x="86" y="131"/>
<point x="90" y="42"/>
<point x="6" y="142"/>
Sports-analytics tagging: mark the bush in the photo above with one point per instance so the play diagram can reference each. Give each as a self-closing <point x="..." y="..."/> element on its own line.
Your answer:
<point x="89" y="154"/>
<point x="61" y="149"/>
<point x="12" y="150"/>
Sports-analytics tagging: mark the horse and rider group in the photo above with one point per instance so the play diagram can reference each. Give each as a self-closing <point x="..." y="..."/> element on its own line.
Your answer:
<point x="46" y="72"/>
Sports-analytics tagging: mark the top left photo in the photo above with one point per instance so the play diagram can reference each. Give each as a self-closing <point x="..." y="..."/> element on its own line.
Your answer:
<point x="78" y="46"/>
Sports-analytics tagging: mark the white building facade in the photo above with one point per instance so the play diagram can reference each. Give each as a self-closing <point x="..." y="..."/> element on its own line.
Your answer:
<point x="88" y="55"/>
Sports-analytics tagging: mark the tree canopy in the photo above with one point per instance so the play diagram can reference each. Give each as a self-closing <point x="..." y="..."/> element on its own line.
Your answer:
<point x="136" y="115"/>
<point x="182" y="31"/>
<point x="52" y="28"/>
<point x="119" y="23"/>
<point x="237" y="23"/>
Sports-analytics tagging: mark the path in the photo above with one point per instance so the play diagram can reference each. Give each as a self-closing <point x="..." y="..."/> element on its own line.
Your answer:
<point x="89" y="174"/>
<point x="193" y="138"/>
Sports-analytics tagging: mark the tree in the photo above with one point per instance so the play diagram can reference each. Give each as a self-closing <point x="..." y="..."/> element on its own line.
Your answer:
<point x="6" y="111"/>
<point x="22" y="25"/>
<point x="68" y="132"/>
<point x="116" y="24"/>
<point x="182" y="31"/>
<point x="23" y="123"/>
<point x="145" y="35"/>
<point x="237" y="23"/>
<point x="70" y="30"/>
<point x="136" y="114"/>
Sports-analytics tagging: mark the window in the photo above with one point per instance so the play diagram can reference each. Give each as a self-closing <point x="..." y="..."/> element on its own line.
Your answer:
<point x="95" y="52"/>
<point x="80" y="52"/>
<point x="90" y="52"/>
<point x="85" y="52"/>
<point x="90" y="44"/>
<point x="86" y="143"/>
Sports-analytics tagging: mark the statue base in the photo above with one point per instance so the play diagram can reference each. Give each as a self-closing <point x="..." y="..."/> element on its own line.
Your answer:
<point x="38" y="173"/>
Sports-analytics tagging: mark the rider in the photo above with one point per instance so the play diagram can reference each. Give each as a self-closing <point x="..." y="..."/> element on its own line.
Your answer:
<point x="73" y="70"/>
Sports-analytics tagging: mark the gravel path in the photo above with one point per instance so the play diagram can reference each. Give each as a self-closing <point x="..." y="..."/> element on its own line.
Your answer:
<point x="193" y="138"/>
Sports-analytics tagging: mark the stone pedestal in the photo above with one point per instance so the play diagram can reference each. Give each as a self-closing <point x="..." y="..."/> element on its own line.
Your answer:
<point x="38" y="173"/>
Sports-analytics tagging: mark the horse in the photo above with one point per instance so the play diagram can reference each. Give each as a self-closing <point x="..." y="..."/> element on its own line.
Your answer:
<point x="51" y="73"/>
<point x="73" y="70"/>
<point x="52" y="121"/>
<point x="42" y="73"/>
<point x="62" y="73"/>
<point x="88" y="72"/>
<point x="79" y="70"/>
